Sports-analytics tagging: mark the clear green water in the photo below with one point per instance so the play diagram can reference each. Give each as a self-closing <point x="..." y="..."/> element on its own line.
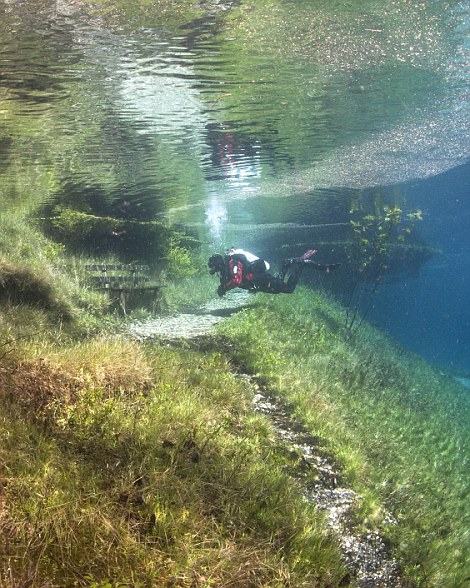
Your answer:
<point x="270" y="125"/>
<point x="254" y="123"/>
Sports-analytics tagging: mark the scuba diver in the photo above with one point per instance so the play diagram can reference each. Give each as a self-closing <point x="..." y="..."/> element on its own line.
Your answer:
<point x="242" y="269"/>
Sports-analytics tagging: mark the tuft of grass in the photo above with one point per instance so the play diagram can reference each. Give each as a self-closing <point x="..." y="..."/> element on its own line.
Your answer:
<point x="134" y="465"/>
<point x="400" y="429"/>
<point x="58" y="523"/>
<point x="188" y="293"/>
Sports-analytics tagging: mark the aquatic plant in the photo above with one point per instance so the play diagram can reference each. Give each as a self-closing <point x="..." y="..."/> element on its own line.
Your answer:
<point x="375" y="239"/>
<point x="179" y="262"/>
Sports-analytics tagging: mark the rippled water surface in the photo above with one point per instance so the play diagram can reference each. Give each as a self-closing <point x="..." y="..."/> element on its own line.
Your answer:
<point x="256" y="123"/>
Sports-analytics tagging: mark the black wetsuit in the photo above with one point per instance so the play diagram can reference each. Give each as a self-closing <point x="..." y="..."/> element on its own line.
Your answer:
<point x="272" y="284"/>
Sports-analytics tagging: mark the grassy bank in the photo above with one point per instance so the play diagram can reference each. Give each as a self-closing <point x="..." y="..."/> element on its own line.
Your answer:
<point x="45" y="287"/>
<point x="399" y="428"/>
<point x="145" y="467"/>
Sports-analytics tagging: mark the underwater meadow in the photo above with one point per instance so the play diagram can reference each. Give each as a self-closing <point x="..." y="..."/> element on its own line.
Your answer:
<point x="158" y="432"/>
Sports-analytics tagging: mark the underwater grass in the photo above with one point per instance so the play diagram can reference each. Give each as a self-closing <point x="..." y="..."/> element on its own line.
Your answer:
<point x="41" y="286"/>
<point x="43" y="278"/>
<point x="400" y="429"/>
<point x="187" y="293"/>
<point x="146" y="466"/>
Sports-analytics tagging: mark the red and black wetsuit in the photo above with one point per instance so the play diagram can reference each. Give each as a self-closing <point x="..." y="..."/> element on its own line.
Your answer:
<point x="238" y="272"/>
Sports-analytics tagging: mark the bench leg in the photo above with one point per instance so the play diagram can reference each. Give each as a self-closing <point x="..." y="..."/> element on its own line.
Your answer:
<point x="122" y="301"/>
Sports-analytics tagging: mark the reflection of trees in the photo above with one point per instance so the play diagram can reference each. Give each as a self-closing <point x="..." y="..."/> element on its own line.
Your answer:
<point x="34" y="62"/>
<point x="79" y="135"/>
<point x="326" y="76"/>
<point x="142" y="13"/>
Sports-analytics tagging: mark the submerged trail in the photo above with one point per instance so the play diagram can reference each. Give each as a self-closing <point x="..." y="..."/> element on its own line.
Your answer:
<point x="189" y="325"/>
<point x="365" y="553"/>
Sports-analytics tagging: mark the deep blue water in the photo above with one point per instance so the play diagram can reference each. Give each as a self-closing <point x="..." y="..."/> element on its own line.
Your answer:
<point x="430" y="313"/>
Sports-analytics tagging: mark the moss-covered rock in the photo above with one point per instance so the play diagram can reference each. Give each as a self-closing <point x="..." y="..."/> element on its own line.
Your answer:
<point x="21" y="285"/>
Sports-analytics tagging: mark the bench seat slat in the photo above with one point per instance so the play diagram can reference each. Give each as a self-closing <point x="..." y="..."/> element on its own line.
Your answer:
<point x="130" y="288"/>
<point x="137" y="279"/>
<point x="121" y="280"/>
<point x="108" y="267"/>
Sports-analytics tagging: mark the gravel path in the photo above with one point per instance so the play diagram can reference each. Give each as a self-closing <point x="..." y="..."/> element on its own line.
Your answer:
<point x="191" y="325"/>
<point x="365" y="554"/>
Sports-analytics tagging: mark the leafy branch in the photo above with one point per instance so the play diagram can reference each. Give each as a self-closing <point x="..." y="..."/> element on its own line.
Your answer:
<point x="374" y="237"/>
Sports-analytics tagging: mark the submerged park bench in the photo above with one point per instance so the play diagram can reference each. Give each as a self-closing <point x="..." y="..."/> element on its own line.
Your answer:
<point x="122" y="281"/>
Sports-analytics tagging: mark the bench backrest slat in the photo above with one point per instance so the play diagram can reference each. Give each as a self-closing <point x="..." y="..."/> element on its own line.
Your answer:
<point x="109" y="267"/>
<point x="130" y="276"/>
